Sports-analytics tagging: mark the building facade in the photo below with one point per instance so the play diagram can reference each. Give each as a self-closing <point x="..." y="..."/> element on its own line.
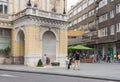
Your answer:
<point x="34" y="28"/>
<point x="100" y="21"/>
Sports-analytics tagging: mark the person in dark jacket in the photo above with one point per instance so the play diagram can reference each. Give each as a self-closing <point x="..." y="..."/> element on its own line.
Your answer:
<point x="77" y="60"/>
<point x="108" y="59"/>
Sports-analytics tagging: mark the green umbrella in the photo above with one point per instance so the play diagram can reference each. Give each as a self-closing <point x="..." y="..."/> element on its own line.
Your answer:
<point x="79" y="47"/>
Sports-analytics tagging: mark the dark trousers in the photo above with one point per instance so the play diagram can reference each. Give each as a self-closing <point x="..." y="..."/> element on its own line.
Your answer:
<point x="68" y="66"/>
<point x="108" y="60"/>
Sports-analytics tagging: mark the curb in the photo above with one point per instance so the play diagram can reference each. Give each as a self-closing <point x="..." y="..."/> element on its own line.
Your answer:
<point x="77" y="76"/>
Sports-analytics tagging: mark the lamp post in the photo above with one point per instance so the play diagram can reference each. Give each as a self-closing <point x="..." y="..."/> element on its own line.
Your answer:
<point x="29" y="3"/>
<point x="64" y="12"/>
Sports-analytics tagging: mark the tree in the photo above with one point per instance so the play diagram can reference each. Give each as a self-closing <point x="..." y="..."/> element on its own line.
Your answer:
<point x="40" y="64"/>
<point x="7" y="51"/>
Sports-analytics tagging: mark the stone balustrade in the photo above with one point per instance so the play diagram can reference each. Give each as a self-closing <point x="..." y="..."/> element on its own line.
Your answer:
<point x="3" y="16"/>
<point x="40" y="13"/>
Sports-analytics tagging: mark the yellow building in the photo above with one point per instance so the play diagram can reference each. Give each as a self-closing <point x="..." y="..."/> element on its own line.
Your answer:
<point x="37" y="28"/>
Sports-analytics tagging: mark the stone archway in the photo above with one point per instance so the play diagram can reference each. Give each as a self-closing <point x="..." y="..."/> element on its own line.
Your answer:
<point x="21" y="47"/>
<point x="49" y="45"/>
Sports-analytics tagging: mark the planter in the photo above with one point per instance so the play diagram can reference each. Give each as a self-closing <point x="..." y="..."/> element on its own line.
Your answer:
<point x="2" y="60"/>
<point x="8" y="61"/>
<point x="87" y="60"/>
<point x="55" y="64"/>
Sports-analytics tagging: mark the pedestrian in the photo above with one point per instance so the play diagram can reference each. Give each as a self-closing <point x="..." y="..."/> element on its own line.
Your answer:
<point x="108" y="59"/>
<point x="104" y="58"/>
<point x="119" y="58"/>
<point x="70" y="63"/>
<point x="67" y="61"/>
<point x="98" y="58"/>
<point x="47" y="60"/>
<point x="95" y="58"/>
<point x="115" y="57"/>
<point x="77" y="60"/>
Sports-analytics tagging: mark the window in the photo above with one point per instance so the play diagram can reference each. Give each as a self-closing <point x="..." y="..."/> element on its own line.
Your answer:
<point x="75" y="12"/>
<point x="118" y="8"/>
<point x="4" y="38"/>
<point x="112" y="0"/>
<point x="103" y="17"/>
<point x="102" y="32"/>
<point x="79" y="9"/>
<point x="1" y="33"/>
<point x="84" y="16"/>
<point x="118" y="27"/>
<point x="84" y="5"/>
<point x="112" y="30"/>
<point x="112" y="14"/>
<point x="80" y="19"/>
<point x="3" y="7"/>
<point x="91" y="13"/>
<point x="103" y="3"/>
<point x="90" y="2"/>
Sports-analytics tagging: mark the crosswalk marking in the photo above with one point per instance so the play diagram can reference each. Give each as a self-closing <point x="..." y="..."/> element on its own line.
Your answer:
<point x="7" y="75"/>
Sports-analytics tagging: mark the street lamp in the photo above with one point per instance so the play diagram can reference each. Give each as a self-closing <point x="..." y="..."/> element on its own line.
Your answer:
<point x="64" y="8"/>
<point x="29" y="3"/>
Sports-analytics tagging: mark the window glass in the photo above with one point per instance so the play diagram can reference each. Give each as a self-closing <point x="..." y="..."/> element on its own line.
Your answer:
<point x="5" y="9"/>
<point x="1" y="8"/>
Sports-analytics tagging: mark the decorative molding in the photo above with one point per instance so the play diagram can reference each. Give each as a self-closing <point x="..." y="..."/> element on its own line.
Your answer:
<point x="47" y="29"/>
<point x="17" y="31"/>
<point x="31" y="20"/>
<point x="5" y="24"/>
<point x="32" y="16"/>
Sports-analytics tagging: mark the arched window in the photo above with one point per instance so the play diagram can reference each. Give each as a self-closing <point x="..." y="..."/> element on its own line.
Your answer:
<point x="4" y="7"/>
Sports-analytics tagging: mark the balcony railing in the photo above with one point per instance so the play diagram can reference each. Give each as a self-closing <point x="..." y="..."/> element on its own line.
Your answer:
<point x="86" y="38"/>
<point x="3" y="16"/>
<point x="40" y="13"/>
<point x="74" y="41"/>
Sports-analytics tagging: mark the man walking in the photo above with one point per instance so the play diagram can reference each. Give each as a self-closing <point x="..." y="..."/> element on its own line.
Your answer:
<point x="77" y="60"/>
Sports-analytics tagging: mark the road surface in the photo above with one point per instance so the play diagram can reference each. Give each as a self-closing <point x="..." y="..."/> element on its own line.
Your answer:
<point x="7" y="76"/>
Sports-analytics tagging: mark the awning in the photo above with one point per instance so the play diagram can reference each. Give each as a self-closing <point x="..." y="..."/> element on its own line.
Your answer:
<point x="79" y="47"/>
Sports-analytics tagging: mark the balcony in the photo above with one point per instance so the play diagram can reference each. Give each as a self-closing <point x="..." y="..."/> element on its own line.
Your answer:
<point x="4" y="21"/>
<point x="89" y="39"/>
<point x="74" y="41"/>
<point x="40" y="13"/>
<point x="86" y="38"/>
<point x="3" y="17"/>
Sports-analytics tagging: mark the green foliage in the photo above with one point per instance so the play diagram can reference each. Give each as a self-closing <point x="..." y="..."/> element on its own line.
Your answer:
<point x="7" y="50"/>
<point x="40" y="64"/>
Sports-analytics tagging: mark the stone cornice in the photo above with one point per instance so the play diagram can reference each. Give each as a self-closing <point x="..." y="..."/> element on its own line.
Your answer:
<point x="39" y="21"/>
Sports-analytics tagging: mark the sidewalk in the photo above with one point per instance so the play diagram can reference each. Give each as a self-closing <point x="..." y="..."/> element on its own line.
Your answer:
<point x="105" y="71"/>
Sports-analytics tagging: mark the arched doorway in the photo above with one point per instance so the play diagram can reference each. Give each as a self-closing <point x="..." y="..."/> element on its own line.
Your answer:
<point x="21" y="46"/>
<point x="49" y="45"/>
